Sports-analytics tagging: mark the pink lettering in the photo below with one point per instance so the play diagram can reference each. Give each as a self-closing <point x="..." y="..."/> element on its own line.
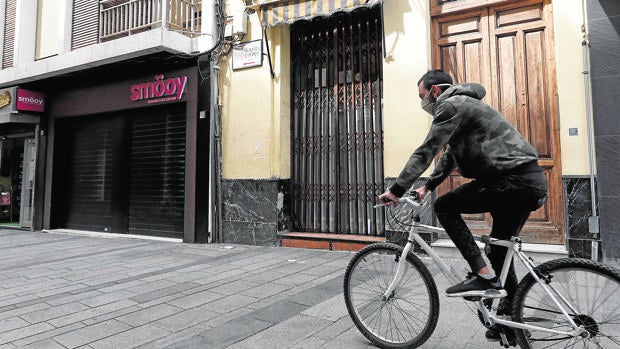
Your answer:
<point x="135" y="92"/>
<point x="180" y="84"/>
<point x="159" y="90"/>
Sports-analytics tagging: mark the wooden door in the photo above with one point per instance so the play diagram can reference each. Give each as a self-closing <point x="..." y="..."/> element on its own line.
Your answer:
<point x="509" y="50"/>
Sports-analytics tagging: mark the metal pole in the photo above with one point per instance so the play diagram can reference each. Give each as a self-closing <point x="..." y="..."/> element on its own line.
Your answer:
<point x="593" y="221"/>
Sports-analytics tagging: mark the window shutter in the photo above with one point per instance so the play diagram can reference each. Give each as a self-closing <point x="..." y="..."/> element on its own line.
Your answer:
<point x="9" y="34"/>
<point x="85" y="24"/>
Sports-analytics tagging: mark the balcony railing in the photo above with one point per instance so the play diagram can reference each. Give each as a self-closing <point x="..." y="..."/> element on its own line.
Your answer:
<point x="125" y="17"/>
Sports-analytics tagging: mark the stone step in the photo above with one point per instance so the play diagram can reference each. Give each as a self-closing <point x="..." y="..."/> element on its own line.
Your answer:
<point x="327" y="241"/>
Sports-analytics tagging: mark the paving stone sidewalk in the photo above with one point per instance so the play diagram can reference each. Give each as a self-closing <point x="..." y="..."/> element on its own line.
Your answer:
<point x="76" y="291"/>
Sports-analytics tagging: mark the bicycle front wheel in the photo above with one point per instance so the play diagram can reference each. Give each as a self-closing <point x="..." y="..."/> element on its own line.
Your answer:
<point x="409" y="315"/>
<point x="592" y="291"/>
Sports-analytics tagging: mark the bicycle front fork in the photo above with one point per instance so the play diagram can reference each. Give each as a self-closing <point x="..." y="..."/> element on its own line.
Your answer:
<point x="400" y="271"/>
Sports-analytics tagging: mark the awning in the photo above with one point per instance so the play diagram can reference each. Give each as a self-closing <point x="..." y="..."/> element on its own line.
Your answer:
<point x="289" y="11"/>
<point x="19" y="118"/>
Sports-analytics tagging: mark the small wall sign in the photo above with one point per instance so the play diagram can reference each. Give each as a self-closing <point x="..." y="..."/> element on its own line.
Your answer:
<point x="30" y="100"/>
<point x="247" y="54"/>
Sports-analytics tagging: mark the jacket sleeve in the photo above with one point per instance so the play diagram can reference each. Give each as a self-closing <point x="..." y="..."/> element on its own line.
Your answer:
<point x="445" y="166"/>
<point x="446" y="123"/>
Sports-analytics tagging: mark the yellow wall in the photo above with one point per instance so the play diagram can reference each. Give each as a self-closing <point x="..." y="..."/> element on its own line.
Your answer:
<point x="408" y="58"/>
<point x="255" y="110"/>
<point x="568" y="19"/>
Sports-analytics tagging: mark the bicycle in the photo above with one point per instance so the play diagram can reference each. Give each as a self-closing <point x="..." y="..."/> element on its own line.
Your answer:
<point x="567" y="302"/>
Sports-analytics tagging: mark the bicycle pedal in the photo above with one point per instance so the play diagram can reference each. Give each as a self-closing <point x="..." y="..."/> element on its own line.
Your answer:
<point x="507" y="342"/>
<point x="472" y="298"/>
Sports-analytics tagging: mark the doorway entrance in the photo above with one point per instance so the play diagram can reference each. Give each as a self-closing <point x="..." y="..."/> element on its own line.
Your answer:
<point x="17" y="169"/>
<point x="121" y="172"/>
<point x="508" y="48"/>
<point x="337" y="123"/>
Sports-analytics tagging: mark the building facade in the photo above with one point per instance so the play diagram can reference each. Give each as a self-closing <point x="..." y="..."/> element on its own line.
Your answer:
<point x="113" y="146"/>
<point x="253" y="121"/>
<point x="331" y="114"/>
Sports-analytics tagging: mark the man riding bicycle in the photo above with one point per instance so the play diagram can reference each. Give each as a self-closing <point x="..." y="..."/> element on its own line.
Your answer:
<point x="482" y="145"/>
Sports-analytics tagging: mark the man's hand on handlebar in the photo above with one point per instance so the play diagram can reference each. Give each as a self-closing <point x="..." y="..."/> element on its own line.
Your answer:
<point x="388" y="199"/>
<point x="422" y="191"/>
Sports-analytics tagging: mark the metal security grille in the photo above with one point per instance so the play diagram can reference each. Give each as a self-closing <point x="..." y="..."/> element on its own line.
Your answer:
<point x="157" y="173"/>
<point x="337" y="133"/>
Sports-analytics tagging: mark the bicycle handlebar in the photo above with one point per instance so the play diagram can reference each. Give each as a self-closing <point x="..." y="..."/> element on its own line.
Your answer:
<point x="411" y="200"/>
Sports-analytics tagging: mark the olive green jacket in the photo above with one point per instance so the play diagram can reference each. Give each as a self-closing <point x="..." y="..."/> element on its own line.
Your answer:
<point x="478" y="141"/>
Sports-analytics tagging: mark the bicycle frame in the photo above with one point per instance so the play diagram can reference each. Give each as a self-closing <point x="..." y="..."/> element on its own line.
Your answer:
<point x="513" y="246"/>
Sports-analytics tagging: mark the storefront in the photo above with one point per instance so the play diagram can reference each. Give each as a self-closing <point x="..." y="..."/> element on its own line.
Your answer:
<point x="19" y="134"/>
<point x="121" y="157"/>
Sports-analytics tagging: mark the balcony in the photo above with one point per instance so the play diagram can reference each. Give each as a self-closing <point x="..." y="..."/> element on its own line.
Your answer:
<point x="112" y="31"/>
<point x="119" y="18"/>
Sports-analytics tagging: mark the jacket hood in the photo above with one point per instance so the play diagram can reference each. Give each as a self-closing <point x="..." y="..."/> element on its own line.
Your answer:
<point x="466" y="89"/>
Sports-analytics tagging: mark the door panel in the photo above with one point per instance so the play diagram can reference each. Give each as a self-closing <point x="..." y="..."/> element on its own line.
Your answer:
<point x="28" y="172"/>
<point x="506" y="98"/>
<point x="462" y="46"/>
<point x="515" y="55"/>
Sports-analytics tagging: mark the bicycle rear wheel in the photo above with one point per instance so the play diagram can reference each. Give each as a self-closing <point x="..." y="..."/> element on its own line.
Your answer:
<point x="409" y="316"/>
<point x="591" y="288"/>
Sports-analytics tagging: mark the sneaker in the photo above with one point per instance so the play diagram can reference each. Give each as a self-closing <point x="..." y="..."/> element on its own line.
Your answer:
<point x="494" y="335"/>
<point x="476" y="286"/>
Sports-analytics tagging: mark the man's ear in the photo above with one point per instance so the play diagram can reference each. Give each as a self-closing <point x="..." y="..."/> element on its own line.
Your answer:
<point x="436" y="91"/>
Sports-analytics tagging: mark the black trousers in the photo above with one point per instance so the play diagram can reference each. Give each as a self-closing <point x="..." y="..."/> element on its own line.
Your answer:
<point x="509" y="200"/>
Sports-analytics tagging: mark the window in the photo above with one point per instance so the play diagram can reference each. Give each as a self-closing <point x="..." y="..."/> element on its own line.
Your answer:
<point x="49" y="28"/>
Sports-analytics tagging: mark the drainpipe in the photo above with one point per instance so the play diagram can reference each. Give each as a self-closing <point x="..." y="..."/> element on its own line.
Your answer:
<point x="593" y="221"/>
<point x="210" y="50"/>
<point x="215" y="148"/>
<point x="215" y="125"/>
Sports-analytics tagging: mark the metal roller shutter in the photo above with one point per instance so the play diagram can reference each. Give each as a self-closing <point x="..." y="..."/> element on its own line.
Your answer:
<point x="85" y="156"/>
<point x="157" y="173"/>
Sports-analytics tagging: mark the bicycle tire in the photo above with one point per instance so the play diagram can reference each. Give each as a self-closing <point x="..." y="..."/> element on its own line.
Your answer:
<point x="591" y="287"/>
<point x="411" y="314"/>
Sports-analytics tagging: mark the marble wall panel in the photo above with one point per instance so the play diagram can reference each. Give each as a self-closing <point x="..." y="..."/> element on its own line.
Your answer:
<point x="577" y="207"/>
<point x="248" y="233"/>
<point x="253" y="211"/>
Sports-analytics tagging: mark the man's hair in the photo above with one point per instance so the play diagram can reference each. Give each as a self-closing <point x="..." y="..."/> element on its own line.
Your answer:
<point x="434" y="77"/>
